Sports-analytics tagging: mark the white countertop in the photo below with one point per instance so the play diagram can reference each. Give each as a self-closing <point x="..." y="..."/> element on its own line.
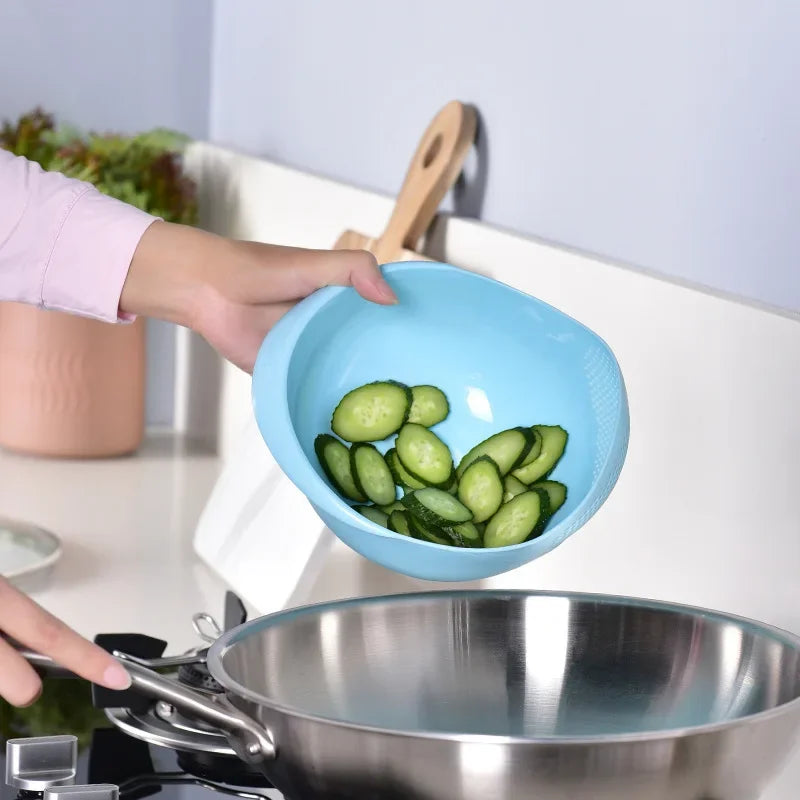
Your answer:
<point x="128" y="563"/>
<point x="126" y="526"/>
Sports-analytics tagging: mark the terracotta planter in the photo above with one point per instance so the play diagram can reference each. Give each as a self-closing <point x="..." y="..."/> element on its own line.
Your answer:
<point x="70" y="387"/>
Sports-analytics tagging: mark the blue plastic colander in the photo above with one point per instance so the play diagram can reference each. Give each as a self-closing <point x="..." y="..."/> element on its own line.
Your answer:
<point x="502" y="357"/>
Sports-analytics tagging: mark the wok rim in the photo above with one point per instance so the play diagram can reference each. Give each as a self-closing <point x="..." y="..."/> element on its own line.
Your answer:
<point x="230" y="638"/>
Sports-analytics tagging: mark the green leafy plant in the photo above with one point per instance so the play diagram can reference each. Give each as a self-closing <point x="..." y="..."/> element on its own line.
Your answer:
<point x="144" y="170"/>
<point x="65" y="706"/>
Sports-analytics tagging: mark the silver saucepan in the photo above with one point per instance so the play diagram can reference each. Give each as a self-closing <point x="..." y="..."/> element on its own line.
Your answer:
<point x="503" y="695"/>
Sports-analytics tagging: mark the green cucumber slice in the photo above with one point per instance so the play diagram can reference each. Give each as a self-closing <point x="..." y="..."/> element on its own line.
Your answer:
<point x="374" y="514"/>
<point x="398" y="522"/>
<point x="554" y="442"/>
<point x="481" y="488"/>
<point x="429" y="405"/>
<point x="372" y="412"/>
<point x="556" y="492"/>
<point x="507" y="449"/>
<point x="400" y="473"/>
<point x="424" y="455"/>
<point x="427" y="533"/>
<point x="436" y="507"/>
<point x="395" y="506"/>
<point x="468" y="533"/>
<point x="334" y="458"/>
<point x="515" y="521"/>
<point x="512" y="487"/>
<point x="536" y="448"/>
<point x="371" y="474"/>
<point x="544" y="517"/>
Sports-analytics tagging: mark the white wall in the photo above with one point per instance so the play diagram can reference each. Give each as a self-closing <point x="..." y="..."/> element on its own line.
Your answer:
<point x="110" y="65"/>
<point x="661" y="134"/>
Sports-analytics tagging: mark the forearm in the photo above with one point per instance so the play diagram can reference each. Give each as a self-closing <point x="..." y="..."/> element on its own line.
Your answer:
<point x="63" y="244"/>
<point x="171" y="271"/>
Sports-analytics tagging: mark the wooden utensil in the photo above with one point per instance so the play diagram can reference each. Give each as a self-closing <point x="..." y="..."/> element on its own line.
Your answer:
<point x="436" y="165"/>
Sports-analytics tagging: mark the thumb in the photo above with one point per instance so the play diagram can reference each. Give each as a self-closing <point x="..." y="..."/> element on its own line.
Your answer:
<point x="356" y="268"/>
<point x="359" y="269"/>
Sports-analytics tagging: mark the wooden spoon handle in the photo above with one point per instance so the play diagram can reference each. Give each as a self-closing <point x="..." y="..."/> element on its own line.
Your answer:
<point x="434" y="168"/>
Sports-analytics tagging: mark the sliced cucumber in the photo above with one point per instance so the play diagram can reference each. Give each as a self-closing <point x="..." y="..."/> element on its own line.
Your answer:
<point x="507" y="449"/>
<point x="398" y="522"/>
<point x="536" y="448"/>
<point x="436" y="507"/>
<point x="372" y="412"/>
<point x="400" y="473"/>
<point x="544" y="517"/>
<point x="396" y="506"/>
<point x="429" y="405"/>
<point x="468" y="533"/>
<point x="554" y="442"/>
<point x="481" y="488"/>
<point x="556" y="492"/>
<point x="374" y="515"/>
<point x="371" y="474"/>
<point x="424" y="455"/>
<point x="515" y="521"/>
<point x="512" y="488"/>
<point x="428" y="533"/>
<point x="334" y="458"/>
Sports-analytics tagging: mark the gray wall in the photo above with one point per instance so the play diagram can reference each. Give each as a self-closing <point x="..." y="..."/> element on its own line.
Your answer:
<point x="113" y="65"/>
<point x="662" y="134"/>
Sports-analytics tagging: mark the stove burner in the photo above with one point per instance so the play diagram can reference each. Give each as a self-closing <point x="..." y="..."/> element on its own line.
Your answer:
<point x="222" y="769"/>
<point x="197" y="676"/>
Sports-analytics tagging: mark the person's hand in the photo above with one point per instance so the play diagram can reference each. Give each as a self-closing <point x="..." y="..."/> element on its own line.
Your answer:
<point x="24" y="621"/>
<point x="233" y="292"/>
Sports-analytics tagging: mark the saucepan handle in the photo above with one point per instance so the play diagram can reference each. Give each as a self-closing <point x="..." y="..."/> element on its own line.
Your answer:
<point x="250" y="740"/>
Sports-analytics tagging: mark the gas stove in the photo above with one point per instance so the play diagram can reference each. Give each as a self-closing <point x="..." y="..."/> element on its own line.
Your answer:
<point x="82" y="742"/>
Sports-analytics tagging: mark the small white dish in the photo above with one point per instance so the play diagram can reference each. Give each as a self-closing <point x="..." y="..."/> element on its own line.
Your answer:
<point x="27" y="553"/>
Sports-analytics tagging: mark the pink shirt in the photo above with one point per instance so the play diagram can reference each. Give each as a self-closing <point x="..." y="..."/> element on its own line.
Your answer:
<point x="63" y="244"/>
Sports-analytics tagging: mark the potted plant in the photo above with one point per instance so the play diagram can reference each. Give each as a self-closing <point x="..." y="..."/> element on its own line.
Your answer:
<point x="71" y="386"/>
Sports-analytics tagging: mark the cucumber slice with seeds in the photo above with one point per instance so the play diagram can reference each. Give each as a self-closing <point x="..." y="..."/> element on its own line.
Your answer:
<point x="398" y="522"/>
<point x="507" y="449"/>
<point x="436" y="507"/>
<point x="374" y="514"/>
<point x="481" y="488"/>
<point x="429" y="405"/>
<point x="372" y="412"/>
<point x="556" y="492"/>
<point x="515" y="521"/>
<point x="371" y="474"/>
<point x="512" y="487"/>
<point x="400" y="473"/>
<point x="334" y="458"/>
<point x="554" y="442"/>
<point x="424" y="455"/>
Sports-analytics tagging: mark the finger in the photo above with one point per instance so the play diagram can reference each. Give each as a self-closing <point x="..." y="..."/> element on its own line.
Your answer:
<point x="31" y="625"/>
<point x="19" y="683"/>
<point x="359" y="269"/>
<point x="295" y="273"/>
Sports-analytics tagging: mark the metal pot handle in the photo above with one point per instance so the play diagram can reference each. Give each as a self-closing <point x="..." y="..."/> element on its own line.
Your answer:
<point x="251" y="742"/>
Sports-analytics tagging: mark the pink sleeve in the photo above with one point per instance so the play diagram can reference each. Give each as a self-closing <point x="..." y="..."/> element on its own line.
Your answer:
<point x="63" y="244"/>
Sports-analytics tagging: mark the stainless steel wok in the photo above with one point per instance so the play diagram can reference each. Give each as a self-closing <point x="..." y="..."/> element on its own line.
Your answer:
<point x="462" y="695"/>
